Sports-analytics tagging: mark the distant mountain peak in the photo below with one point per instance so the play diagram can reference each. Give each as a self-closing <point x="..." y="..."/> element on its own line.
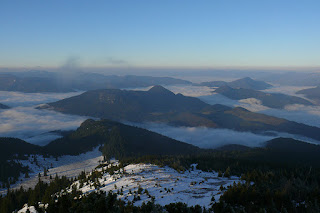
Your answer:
<point x="249" y="83"/>
<point x="246" y="79"/>
<point x="244" y="83"/>
<point x="158" y="89"/>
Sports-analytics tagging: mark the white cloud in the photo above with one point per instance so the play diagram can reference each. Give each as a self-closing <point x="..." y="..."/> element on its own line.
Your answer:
<point x="43" y="139"/>
<point x="309" y="115"/>
<point x="27" y="122"/>
<point x="288" y="90"/>
<point x="189" y="90"/>
<point x="14" y="99"/>
<point x="207" y="137"/>
<point x="204" y="137"/>
<point x="252" y="104"/>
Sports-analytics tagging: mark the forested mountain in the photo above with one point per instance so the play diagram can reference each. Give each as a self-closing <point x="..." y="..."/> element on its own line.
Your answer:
<point x="272" y="100"/>
<point x="61" y="82"/>
<point x="244" y="83"/>
<point x="278" y="151"/>
<point x="11" y="148"/>
<point x="119" y="141"/>
<point x="312" y="93"/>
<point x="283" y="173"/>
<point x="17" y="147"/>
<point x="125" y="104"/>
<point x="160" y="105"/>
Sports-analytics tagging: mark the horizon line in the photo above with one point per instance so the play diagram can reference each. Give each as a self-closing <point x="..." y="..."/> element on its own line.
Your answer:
<point x="186" y="68"/>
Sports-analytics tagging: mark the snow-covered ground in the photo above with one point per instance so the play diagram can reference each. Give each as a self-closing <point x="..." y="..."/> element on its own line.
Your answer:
<point x="165" y="184"/>
<point x="67" y="165"/>
<point x="26" y="207"/>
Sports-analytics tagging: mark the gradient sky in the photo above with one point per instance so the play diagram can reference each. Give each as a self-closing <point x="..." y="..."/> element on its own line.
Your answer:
<point x="165" y="33"/>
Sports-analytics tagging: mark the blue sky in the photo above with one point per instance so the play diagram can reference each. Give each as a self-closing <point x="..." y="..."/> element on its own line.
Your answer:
<point x="162" y="33"/>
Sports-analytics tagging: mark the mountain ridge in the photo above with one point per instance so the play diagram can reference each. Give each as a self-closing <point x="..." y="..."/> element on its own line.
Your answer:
<point x="312" y="93"/>
<point x="33" y="82"/>
<point x="272" y="100"/>
<point x="177" y="110"/>
<point x="244" y="83"/>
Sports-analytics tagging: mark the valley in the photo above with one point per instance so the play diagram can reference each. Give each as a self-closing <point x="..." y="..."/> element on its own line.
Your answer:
<point x="161" y="135"/>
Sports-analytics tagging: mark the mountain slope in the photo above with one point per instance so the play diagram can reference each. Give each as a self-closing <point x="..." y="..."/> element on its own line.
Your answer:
<point x="312" y="93"/>
<point x="161" y="105"/>
<point x="119" y="141"/>
<point x="15" y="146"/>
<point x="129" y="105"/>
<point x="272" y="100"/>
<point x="245" y="83"/>
<point x="2" y="106"/>
<point x="58" y="82"/>
<point x="291" y="150"/>
<point x="279" y="151"/>
<point x="11" y="148"/>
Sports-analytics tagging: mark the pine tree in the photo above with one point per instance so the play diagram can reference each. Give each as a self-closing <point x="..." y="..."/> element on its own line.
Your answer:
<point x="227" y="172"/>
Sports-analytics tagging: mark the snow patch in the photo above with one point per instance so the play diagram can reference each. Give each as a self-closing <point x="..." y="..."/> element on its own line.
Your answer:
<point x="164" y="185"/>
<point x="66" y="165"/>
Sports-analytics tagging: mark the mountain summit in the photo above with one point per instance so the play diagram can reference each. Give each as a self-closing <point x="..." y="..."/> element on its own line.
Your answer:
<point x="244" y="83"/>
<point x="272" y="100"/>
<point x="159" y="90"/>
<point x="160" y="105"/>
<point x="249" y="83"/>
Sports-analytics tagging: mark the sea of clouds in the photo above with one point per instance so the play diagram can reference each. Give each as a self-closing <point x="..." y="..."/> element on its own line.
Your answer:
<point x="22" y="120"/>
<point x="26" y="122"/>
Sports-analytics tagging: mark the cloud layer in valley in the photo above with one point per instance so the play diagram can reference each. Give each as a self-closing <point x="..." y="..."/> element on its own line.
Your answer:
<point x="25" y="122"/>
<point x="14" y="99"/>
<point x="33" y="125"/>
<point x="309" y="115"/>
<point x="206" y="137"/>
<point x="212" y="138"/>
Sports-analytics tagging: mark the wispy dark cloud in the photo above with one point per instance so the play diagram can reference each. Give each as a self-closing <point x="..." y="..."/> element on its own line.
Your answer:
<point x="72" y="62"/>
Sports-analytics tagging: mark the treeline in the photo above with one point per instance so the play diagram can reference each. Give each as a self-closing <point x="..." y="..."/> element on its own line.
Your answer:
<point x="119" y="141"/>
<point x="53" y="198"/>
<point x="271" y="185"/>
<point x="15" y="199"/>
<point x="282" y="177"/>
<point x="268" y="187"/>
<point x="10" y="149"/>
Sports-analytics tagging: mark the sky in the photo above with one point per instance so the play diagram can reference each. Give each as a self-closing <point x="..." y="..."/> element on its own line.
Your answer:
<point x="163" y="33"/>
